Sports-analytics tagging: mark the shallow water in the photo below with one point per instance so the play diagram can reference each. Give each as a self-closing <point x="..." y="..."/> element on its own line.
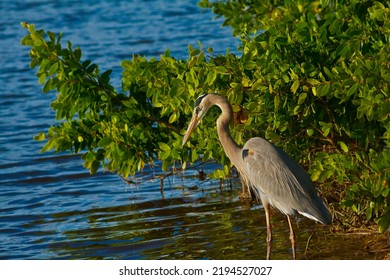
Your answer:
<point x="51" y="208"/>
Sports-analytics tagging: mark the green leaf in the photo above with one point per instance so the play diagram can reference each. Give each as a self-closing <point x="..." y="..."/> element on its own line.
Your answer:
<point x="384" y="222"/>
<point x="77" y="54"/>
<point x="164" y="147"/>
<point x="173" y="118"/>
<point x="26" y="41"/>
<point x="53" y="69"/>
<point x="368" y="213"/>
<point x="42" y="78"/>
<point x="194" y="155"/>
<point x="165" y="165"/>
<point x="47" y="87"/>
<point x="248" y="65"/>
<point x="315" y="175"/>
<point x="276" y="101"/>
<point x="48" y="146"/>
<point x="94" y="167"/>
<point x="352" y="90"/>
<point x="343" y="146"/>
<point x="313" y="82"/>
<point x="326" y="127"/>
<point x="302" y="98"/>
<point x="211" y="76"/>
<point x="165" y="155"/>
<point x="40" y="137"/>
<point x="314" y="90"/>
<point x="323" y="89"/>
<point x="295" y="86"/>
<point x="105" y="142"/>
<point x="105" y="77"/>
<point x="310" y="132"/>
<point x="328" y="72"/>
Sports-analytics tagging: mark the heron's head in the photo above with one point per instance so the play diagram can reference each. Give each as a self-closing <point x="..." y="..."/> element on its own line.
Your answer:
<point x="202" y="105"/>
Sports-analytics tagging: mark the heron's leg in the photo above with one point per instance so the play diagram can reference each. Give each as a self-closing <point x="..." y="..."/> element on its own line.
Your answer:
<point x="292" y="237"/>
<point x="269" y="230"/>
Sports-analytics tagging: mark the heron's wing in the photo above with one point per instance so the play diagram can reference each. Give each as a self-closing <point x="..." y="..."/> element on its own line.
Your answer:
<point x="283" y="182"/>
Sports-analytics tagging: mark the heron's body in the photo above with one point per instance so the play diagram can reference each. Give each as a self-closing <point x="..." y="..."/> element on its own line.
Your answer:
<point x="281" y="182"/>
<point x="273" y="176"/>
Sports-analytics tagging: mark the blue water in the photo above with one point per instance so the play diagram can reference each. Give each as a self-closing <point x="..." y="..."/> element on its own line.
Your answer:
<point x="52" y="208"/>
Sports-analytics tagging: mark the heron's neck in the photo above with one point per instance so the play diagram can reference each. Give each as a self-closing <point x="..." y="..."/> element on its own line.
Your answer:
<point x="232" y="150"/>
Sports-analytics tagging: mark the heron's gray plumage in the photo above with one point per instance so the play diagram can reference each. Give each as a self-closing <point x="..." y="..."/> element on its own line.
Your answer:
<point x="281" y="182"/>
<point x="274" y="176"/>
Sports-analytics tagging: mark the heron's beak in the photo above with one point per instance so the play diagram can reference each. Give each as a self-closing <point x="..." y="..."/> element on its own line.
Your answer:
<point x="193" y="124"/>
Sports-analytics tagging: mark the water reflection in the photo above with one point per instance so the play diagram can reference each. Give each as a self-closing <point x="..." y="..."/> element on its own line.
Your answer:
<point x="185" y="228"/>
<point x="207" y="222"/>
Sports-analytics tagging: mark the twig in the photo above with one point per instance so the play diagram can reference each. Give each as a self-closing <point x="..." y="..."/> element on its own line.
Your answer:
<point x="308" y="244"/>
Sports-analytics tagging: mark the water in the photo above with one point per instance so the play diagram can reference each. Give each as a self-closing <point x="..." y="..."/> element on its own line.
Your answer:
<point x="51" y="208"/>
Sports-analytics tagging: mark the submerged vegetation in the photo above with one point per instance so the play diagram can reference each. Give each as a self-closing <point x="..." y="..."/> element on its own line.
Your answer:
<point x="313" y="78"/>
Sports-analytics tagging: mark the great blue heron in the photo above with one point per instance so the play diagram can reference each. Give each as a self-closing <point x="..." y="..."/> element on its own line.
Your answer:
<point x="274" y="177"/>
